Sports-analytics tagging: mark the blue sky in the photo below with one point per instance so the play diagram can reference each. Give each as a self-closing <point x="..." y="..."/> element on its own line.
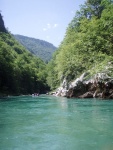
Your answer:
<point x="42" y="19"/>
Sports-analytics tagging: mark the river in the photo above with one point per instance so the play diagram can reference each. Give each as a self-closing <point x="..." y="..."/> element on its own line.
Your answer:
<point x="55" y="123"/>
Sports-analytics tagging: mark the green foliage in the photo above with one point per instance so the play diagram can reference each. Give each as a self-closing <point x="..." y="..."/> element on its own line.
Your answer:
<point x="40" y="48"/>
<point x="88" y="44"/>
<point x="20" y="71"/>
<point x="52" y="73"/>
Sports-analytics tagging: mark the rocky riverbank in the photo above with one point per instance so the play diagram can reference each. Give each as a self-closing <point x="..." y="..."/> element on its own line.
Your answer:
<point x="99" y="86"/>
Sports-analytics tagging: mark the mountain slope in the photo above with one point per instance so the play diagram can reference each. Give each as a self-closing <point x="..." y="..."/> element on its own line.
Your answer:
<point x="20" y="71"/>
<point x="40" y="48"/>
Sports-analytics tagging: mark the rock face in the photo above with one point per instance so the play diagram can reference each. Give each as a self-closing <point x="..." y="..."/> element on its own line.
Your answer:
<point x="100" y="86"/>
<point x="2" y="26"/>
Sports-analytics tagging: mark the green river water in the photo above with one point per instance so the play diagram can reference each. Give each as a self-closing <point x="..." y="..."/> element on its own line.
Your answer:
<point x="55" y="123"/>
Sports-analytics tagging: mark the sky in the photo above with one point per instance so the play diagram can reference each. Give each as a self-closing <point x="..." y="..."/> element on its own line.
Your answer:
<point x="41" y="19"/>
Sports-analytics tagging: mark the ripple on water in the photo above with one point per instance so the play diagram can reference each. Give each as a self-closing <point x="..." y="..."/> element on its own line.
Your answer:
<point x="55" y="123"/>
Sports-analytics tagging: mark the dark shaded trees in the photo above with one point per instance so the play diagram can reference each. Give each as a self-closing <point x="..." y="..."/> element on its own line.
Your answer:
<point x="2" y="26"/>
<point x="19" y="69"/>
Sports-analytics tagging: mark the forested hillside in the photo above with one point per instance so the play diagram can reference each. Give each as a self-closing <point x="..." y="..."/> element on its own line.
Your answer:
<point x="20" y="71"/>
<point x="87" y="45"/>
<point x="40" y="48"/>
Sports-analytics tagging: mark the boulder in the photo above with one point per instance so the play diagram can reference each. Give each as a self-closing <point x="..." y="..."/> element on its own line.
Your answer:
<point x="111" y="96"/>
<point x="87" y="95"/>
<point x="76" y="90"/>
<point x="99" y="86"/>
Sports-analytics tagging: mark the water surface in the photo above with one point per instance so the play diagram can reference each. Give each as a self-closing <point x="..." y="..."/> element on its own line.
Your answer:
<point x="55" y="123"/>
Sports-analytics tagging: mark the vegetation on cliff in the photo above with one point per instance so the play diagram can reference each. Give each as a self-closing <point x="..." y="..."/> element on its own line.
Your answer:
<point x="87" y="45"/>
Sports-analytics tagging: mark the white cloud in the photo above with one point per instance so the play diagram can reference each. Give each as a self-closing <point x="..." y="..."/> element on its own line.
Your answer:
<point x="55" y="25"/>
<point x="44" y="29"/>
<point x="48" y="26"/>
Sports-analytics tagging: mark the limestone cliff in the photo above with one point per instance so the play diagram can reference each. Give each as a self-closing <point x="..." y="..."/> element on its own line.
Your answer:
<point x="99" y="85"/>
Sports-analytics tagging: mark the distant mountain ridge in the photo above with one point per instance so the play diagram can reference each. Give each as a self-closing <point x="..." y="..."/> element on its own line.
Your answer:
<point x="40" y="48"/>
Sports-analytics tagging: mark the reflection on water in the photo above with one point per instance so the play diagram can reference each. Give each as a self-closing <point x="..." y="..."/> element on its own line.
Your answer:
<point x="55" y="123"/>
<point x="63" y="103"/>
